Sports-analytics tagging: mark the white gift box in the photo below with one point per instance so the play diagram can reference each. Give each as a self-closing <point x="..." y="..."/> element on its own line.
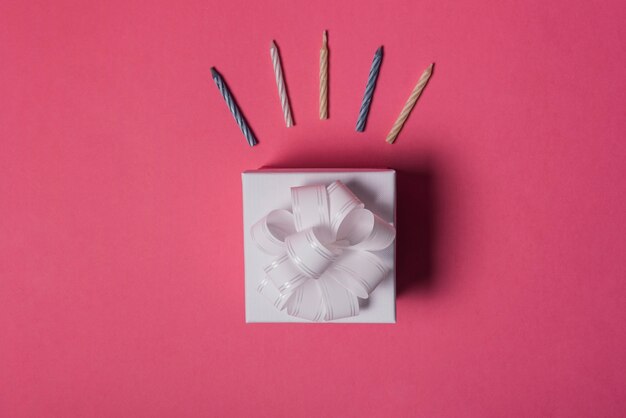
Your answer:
<point x="266" y="190"/>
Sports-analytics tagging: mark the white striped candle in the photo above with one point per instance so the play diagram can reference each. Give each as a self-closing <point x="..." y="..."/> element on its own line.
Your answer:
<point x="280" y="83"/>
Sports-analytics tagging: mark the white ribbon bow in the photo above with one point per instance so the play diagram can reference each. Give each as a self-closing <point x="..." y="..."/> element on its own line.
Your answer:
<point x="323" y="253"/>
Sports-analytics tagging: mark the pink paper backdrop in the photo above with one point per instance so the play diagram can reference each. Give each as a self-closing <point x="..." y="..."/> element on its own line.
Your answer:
<point x="121" y="288"/>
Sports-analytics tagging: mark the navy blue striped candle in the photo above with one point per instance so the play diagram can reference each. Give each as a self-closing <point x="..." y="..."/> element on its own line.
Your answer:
<point x="232" y="106"/>
<point x="369" y="90"/>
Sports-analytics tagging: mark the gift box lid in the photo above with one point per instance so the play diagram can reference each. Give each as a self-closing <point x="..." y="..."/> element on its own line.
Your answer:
<point x="267" y="189"/>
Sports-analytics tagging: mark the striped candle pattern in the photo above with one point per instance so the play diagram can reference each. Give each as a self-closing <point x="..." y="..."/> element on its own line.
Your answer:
<point x="404" y="114"/>
<point x="369" y="90"/>
<point x="232" y="106"/>
<point x="280" y="82"/>
<point x="324" y="77"/>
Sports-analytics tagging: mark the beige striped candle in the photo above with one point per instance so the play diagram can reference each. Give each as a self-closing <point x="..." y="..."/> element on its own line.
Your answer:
<point x="404" y="114"/>
<point x="324" y="77"/>
<point x="280" y="83"/>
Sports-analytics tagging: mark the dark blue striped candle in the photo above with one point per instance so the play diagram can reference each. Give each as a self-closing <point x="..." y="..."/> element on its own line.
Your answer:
<point x="232" y="106"/>
<point x="369" y="90"/>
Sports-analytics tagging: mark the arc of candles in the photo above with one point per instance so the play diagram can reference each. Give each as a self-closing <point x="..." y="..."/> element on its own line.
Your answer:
<point x="280" y="83"/>
<point x="410" y="103"/>
<point x="232" y="106"/>
<point x="324" y="77"/>
<point x="369" y="90"/>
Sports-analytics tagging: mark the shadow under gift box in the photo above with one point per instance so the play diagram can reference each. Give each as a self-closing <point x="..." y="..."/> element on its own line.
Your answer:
<point x="266" y="190"/>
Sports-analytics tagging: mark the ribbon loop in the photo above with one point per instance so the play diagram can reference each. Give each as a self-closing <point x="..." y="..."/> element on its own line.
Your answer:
<point x="307" y="302"/>
<point x="270" y="232"/>
<point x="323" y="262"/>
<point x="381" y="235"/>
<point x="359" y="271"/>
<point x="279" y="300"/>
<point x="310" y="206"/>
<point x="284" y="274"/>
<point x="341" y="202"/>
<point x="308" y="253"/>
<point x="339" y="302"/>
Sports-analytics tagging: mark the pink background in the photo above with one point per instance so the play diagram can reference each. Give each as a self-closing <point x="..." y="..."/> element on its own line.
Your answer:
<point x="121" y="273"/>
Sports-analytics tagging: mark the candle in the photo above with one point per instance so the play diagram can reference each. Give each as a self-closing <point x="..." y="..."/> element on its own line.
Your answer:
<point x="369" y="90"/>
<point x="280" y="82"/>
<point x="404" y="114"/>
<point x="232" y="106"/>
<point x="324" y="77"/>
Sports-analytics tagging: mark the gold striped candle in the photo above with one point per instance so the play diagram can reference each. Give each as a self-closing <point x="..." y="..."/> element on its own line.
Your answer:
<point x="324" y="77"/>
<point x="404" y="114"/>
